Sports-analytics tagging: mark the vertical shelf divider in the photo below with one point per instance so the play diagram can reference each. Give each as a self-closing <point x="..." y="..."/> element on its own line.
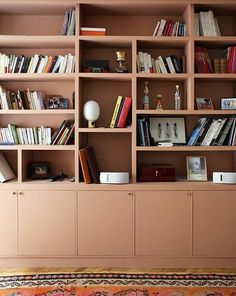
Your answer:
<point x="134" y="108"/>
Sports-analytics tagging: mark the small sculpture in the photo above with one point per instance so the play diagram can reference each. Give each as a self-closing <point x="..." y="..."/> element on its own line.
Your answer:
<point x="177" y="98"/>
<point x="159" y="106"/>
<point x="146" y="97"/>
<point x="120" y="58"/>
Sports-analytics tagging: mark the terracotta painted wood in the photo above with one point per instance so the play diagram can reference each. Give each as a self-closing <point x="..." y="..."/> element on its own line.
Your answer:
<point x="105" y="223"/>
<point x="46" y="223"/>
<point x="8" y="223"/>
<point x="214" y="220"/>
<point x="163" y="223"/>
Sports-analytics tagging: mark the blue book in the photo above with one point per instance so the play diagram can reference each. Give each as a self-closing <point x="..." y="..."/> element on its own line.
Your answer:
<point x="196" y="131"/>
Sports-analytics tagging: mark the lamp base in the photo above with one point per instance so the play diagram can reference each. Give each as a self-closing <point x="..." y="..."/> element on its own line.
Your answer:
<point x="91" y="123"/>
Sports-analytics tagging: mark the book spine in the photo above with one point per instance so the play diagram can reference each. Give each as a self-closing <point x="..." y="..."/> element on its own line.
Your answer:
<point x="124" y="112"/>
<point x="84" y="166"/>
<point x="115" y="113"/>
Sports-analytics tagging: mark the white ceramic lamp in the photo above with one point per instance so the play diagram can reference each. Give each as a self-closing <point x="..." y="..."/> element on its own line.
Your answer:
<point x="91" y="112"/>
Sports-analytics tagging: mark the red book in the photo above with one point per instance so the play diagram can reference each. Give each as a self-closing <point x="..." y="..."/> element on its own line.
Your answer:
<point x="203" y="63"/>
<point x="124" y="112"/>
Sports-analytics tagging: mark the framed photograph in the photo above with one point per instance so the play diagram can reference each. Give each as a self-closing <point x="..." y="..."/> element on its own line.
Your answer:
<point x="39" y="170"/>
<point x="204" y="104"/>
<point x="168" y="129"/>
<point x="228" y="103"/>
<point x="196" y="168"/>
<point x="57" y="102"/>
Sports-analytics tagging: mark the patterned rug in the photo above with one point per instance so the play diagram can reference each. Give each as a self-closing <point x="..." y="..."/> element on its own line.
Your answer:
<point x="118" y="284"/>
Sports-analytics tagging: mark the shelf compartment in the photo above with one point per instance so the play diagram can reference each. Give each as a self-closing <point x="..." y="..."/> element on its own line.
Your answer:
<point x="164" y="87"/>
<point x="105" y="93"/>
<point x="32" y="18"/>
<point x="117" y="18"/>
<point x="107" y="146"/>
<point x="178" y="160"/>
<point x="225" y="15"/>
<point x="95" y="49"/>
<point x="11" y="157"/>
<point x="58" y="159"/>
<point x="216" y="89"/>
<point x="52" y="88"/>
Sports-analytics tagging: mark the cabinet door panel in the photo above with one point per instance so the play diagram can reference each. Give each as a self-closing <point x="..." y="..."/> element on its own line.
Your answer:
<point x="8" y="223"/>
<point x="105" y="223"/>
<point x="214" y="223"/>
<point x="163" y="223"/>
<point x="46" y="222"/>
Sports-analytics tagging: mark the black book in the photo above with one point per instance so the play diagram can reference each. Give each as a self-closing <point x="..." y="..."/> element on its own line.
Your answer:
<point x="25" y="65"/>
<point x="92" y="164"/>
<point x="17" y="65"/>
<point x="223" y="135"/>
<point x="176" y="64"/>
<point x="147" y="133"/>
<point x="141" y="132"/>
<point x="231" y="133"/>
<point x="166" y="65"/>
<point x="119" y="111"/>
<point x="53" y="64"/>
<point x="39" y="61"/>
<point x="203" y="132"/>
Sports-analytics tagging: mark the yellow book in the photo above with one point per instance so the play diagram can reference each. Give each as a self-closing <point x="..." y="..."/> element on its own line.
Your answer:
<point x="116" y="110"/>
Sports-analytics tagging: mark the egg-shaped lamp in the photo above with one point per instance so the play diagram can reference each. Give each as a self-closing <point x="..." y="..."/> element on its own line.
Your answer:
<point x="91" y="112"/>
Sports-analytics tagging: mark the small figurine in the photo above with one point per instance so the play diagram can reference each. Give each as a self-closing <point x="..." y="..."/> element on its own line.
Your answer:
<point x="177" y="98"/>
<point x="159" y="106"/>
<point x="146" y="97"/>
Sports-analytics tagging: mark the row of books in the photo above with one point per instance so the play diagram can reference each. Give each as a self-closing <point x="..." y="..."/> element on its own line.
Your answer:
<point x="169" y="28"/>
<point x="89" y="165"/>
<point x="213" y="132"/>
<point x="170" y="64"/>
<point x="206" y="24"/>
<point x="144" y="135"/>
<point x="21" y="99"/>
<point x="121" y="111"/>
<point x="68" y="27"/>
<point x="12" y="135"/>
<point x="37" y="64"/>
<point x="221" y="65"/>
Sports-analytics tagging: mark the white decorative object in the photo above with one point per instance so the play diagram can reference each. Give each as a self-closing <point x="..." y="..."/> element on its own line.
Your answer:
<point x="114" y="177"/>
<point x="91" y="112"/>
<point x="224" y="177"/>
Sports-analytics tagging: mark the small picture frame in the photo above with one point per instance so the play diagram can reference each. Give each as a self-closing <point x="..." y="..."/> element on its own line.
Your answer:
<point x="168" y="129"/>
<point x="39" y="170"/>
<point x="228" y="103"/>
<point x="57" y="102"/>
<point x="204" y="104"/>
<point x="196" y="168"/>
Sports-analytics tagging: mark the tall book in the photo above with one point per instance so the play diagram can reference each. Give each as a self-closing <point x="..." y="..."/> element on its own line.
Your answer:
<point x="92" y="164"/>
<point x="116" y="111"/>
<point x="6" y="172"/>
<point x="84" y="166"/>
<point x="124" y="112"/>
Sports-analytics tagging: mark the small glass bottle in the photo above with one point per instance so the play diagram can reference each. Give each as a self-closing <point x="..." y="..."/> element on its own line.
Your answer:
<point x="177" y="98"/>
<point x="159" y="106"/>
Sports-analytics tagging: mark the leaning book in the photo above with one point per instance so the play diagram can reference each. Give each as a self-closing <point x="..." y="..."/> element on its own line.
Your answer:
<point x="6" y="172"/>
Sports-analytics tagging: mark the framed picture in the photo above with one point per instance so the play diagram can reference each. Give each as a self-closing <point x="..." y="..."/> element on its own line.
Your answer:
<point x="196" y="168"/>
<point x="39" y="170"/>
<point x="168" y="129"/>
<point x="204" y="104"/>
<point x="228" y="103"/>
<point x="57" y="102"/>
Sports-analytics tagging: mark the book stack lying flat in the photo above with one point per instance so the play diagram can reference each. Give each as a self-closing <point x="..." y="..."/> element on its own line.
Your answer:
<point x="202" y="60"/>
<point x="89" y="165"/>
<point x="213" y="132"/>
<point x="68" y="28"/>
<point x="206" y="24"/>
<point x="92" y="31"/>
<point x="169" y="28"/>
<point x="121" y="111"/>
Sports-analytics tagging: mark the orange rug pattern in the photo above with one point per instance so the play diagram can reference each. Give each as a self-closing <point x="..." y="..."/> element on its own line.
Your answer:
<point x="118" y="284"/>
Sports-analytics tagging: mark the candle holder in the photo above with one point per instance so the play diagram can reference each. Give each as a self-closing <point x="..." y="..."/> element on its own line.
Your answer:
<point x="120" y="58"/>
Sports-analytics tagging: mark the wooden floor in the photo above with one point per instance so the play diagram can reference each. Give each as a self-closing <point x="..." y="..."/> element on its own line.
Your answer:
<point x="113" y="270"/>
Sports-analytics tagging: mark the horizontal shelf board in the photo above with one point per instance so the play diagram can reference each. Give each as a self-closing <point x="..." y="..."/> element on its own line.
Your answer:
<point x="221" y="41"/>
<point x="215" y="76"/>
<point x="169" y="76"/>
<point x="186" y="112"/>
<point x="38" y="112"/>
<point x="18" y="41"/>
<point x="105" y="130"/>
<point x="107" y="76"/>
<point x="188" y="148"/>
<point x="38" y="147"/>
<point x="37" y="77"/>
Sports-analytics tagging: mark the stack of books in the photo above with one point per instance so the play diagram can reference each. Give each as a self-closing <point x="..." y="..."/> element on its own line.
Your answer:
<point x="64" y="134"/>
<point x="37" y="64"/>
<point x="12" y="135"/>
<point x="169" y="28"/>
<point x="220" y="65"/>
<point x="21" y="99"/>
<point x="206" y="24"/>
<point x="92" y="31"/>
<point x="121" y="111"/>
<point x="89" y="165"/>
<point x="202" y="60"/>
<point x="213" y="132"/>
<point x="170" y="64"/>
<point x="68" y="27"/>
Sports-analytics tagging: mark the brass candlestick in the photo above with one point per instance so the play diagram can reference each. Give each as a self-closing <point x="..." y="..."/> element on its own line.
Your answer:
<point x="120" y="58"/>
<point x="159" y="106"/>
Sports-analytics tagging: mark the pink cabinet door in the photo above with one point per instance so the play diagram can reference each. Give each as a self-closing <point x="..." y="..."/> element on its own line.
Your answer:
<point x="105" y="223"/>
<point x="214" y="223"/>
<point x="163" y="223"/>
<point x="46" y="223"/>
<point x="8" y="223"/>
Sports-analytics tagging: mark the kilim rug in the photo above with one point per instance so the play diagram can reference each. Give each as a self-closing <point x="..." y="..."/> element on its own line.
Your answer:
<point x="118" y="284"/>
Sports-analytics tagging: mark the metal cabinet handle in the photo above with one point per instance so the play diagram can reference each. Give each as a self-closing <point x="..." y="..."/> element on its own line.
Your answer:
<point x="20" y="193"/>
<point x="14" y="192"/>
